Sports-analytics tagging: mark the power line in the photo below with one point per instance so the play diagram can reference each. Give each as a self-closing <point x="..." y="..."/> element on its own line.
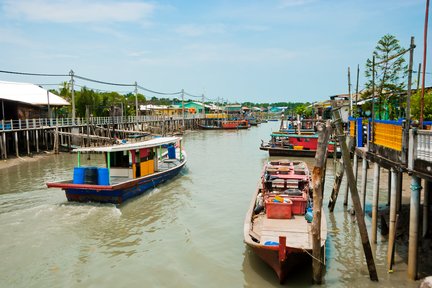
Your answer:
<point x="156" y="92"/>
<point x="190" y="95"/>
<point x="103" y="82"/>
<point x="100" y="82"/>
<point x="33" y="74"/>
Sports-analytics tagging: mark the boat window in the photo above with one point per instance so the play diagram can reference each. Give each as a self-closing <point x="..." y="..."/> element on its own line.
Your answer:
<point x="119" y="159"/>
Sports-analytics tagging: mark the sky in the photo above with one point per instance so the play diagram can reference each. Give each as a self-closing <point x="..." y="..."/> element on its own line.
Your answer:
<point x="236" y="50"/>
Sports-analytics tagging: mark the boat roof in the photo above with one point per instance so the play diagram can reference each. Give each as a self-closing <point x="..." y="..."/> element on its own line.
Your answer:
<point x="155" y="142"/>
<point x="275" y="134"/>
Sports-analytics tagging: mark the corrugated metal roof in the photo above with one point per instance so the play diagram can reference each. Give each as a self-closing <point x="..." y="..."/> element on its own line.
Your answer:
<point x="29" y="93"/>
<point x="155" y="142"/>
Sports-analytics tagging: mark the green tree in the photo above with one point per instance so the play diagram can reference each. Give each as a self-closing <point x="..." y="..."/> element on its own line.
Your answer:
<point x="415" y="106"/>
<point x="389" y="75"/>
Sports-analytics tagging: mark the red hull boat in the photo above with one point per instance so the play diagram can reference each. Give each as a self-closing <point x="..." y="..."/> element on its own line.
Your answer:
<point x="277" y="226"/>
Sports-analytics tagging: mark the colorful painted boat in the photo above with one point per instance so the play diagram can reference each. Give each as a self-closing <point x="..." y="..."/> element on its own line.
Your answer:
<point x="209" y="127"/>
<point x="235" y="124"/>
<point x="277" y="224"/>
<point x="299" y="145"/>
<point x="129" y="170"/>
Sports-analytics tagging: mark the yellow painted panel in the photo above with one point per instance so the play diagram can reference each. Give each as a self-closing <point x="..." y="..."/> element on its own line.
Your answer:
<point x="388" y="135"/>
<point x="144" y="168"/>
<point x="150" y="166"/>
<point x="134" y="170"/>
<point x="352" y="128"/>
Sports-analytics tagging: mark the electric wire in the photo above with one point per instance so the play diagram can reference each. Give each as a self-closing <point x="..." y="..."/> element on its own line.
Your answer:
<point x="33" y="74"/>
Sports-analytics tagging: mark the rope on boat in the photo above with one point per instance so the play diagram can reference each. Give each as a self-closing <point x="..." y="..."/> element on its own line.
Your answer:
<point x="322" y="263"/>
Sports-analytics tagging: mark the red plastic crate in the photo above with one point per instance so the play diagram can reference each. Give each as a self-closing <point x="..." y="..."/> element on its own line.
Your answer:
<point x="277" y="210"/>
<point x="299" y="205"/>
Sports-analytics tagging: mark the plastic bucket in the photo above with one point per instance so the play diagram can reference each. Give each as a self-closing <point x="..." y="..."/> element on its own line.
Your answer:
<point x="171" y="152"/>
<point x="103" y="176"/>
<point x="78" y="175"/>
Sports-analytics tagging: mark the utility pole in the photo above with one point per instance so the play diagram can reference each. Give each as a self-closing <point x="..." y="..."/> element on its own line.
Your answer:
<point x="357" y="89"/>
<point x="71" y="73"/>
<point x="183" y="110"/>
<point x="349" y="92"/>
<point x="408" y="105"/>
<point x="136" y="101"/>
<point x="424" y="64"/>
<point x="49" y="108"/>
<point x="203" y="110"/>
<point x="373" y="102"/>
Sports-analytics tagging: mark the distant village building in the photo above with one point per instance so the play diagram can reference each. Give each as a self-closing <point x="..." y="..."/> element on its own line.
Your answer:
<point x="160" y="110"/>
<point x="26" y="101"/>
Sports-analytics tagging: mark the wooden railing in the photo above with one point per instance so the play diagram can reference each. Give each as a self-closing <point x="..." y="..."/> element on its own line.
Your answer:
<point x="8" y="125"/>
<point x="424" y="145"/>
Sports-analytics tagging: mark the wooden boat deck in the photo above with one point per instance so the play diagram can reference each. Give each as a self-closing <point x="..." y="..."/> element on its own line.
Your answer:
<point x="296" y="230"/>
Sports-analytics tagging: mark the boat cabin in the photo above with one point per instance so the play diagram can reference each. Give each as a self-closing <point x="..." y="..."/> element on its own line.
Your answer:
<point x="128" y="161"/>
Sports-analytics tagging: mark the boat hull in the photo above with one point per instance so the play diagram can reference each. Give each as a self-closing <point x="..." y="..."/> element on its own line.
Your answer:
<point x="118" y="196"/>
<point x="275" y="151"/>
<point x="293" y="258"/>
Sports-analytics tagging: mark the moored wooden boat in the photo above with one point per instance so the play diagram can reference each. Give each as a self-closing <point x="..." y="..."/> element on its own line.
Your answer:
<point x="298" y="145"/>
<point x="209" y="127"/>
<point x="276" y="225"/>
<point x="130" y="170"/>
<point x="235" y="124"/>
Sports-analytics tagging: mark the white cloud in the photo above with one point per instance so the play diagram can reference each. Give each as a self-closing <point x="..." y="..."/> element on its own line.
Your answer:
<point x="80" y="11"/>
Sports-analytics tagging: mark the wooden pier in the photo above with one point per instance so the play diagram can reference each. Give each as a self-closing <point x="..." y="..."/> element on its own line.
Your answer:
<point x="398" y="148"/>
<point x="29" y="136"/>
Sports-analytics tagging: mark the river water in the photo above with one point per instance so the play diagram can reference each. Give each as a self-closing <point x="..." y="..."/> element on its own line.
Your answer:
<point x="185" y="233"/>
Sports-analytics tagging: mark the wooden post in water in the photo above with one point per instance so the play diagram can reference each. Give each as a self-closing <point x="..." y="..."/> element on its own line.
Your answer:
<point x="392" y="230"/>
<point x="355" y="197"/>
<point x="336" y="185"/>
<point x="28" y="141"/>
<point x="413" y="227"/>
<point x="375" y="202"/>
<point x="317" y="181"/>
<point x="364" y="182"/>
<point x="16" y="144"/>
<point x="427" y="190"/>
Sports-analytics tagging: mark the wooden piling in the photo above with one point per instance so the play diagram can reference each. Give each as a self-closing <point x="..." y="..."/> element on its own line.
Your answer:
<point x="364" y="183"/>
<point x="336" y="185"/>
<point x="28" y="141"/>
<point x="413" y="227"/>
<point x="355" y="197"/>
<point x="37" y="140"/>
<point x="375" y="202"/>
<point x="5" y="145"/>
<point x="427" y="190"/>
<point x="16" y="144"/>
<point x="392" y="219"/>
<point x="317" y="181"/>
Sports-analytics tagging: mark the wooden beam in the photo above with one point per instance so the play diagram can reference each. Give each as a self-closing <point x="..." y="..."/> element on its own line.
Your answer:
<point x="317" y="182"/>
<point x="355" y="197"/>
<point x="336" y="185"/>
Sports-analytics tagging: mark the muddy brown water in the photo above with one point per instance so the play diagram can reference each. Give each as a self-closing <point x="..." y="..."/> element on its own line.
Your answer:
<point x="185" y="233"/>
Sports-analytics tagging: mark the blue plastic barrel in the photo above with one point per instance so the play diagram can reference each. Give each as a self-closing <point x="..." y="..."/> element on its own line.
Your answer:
<point x="171" y="152"/>
<point x="103" y="176"/>
<point x="78" y="175"/>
